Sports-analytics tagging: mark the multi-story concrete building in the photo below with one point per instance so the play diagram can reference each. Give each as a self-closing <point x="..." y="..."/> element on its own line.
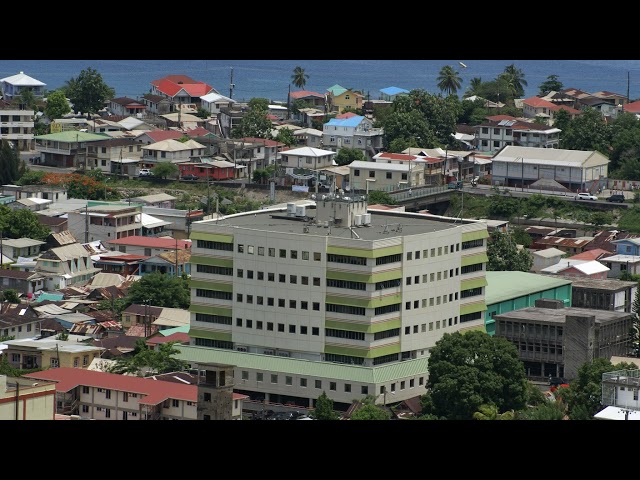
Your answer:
<point x="556" y="341"/>
<point x="65" y="266"/>
<point x="16" y="125"/>
<point x="352" y="131"/>
<point x="105" y="222"/>
<point x="25" y="399"/>
<point x="332" y="298"/>
<point x="28" y="353"/>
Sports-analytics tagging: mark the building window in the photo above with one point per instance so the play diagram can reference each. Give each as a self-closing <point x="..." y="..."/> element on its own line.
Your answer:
<point x="303" y="382"/>
<point x="259" y="376"/>
<point x="288" y="380"/>
<point x="347" y="387"/>
<point x="270" y="326"/>
<point x="175" y="403"/>
<point x="85" y="389"/>
<point x="333" y="386"/>
<point x="318" y="383"/>
<point x="274" y="378"/>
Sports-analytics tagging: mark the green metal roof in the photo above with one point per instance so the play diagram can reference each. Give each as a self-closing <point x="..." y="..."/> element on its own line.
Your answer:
<point x="74" y="136"/>
<point x="503" y="286"/>
<point x="170" y="331"/>
<point x="295" y="366"/>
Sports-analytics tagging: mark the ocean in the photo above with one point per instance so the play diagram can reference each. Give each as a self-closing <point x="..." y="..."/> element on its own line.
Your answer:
<point x="271" y="79"/>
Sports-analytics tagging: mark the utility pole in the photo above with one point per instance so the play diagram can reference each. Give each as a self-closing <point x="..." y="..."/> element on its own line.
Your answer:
<point x="176" y="275"/>
<point x="231" y="84"/>
<point x="86" y="223"/>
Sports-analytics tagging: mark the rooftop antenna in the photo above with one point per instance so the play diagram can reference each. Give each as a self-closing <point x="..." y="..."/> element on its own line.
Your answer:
<point x="231" y="84"/>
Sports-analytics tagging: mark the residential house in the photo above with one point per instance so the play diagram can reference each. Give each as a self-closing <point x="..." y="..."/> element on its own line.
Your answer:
<point x="154" y="136"/>
<point x="554" y="340"/>
<point x="182" y="121"/>
<point x="230" y="118"/>
<point x="25" y="283"/>
<point x="31" y="204"/>
<point x="417" y="169"/>
<point x="626" y="259"/>
<point x="18" y="321"/>
<point x="339" y="98"/>
<point x="261" y="152"/>
<point x="148" y="246"/>
<point x="136" y="314"/>
<point x="578" y="269"/>
<point x="502" y="130"/>
<point x="278" y="113"/>
<point x="308" y="98"/>
<point x="389" y="94"/>
<point x="353" y="132"/>
<point x="179" y="221"/>
<point x="576" y="170"/>
<point x="173" y="318"/>
<point x="70" y="123"/>
<point x="604" y="240"/>
<point x="309" y="117"/>
<point x="50" y="353"/>
<point x="156" y="104"/>
<point x="545" y="258"/>
<point x="172" y="151"/>
<point x="14" y="86"/>
<point x="24" y="399"/>
<point x="120" y="126"/>
<point x="44" y="192"/>
<point x="571" y="246"/>
<point x="127" y="106"/>
<point x="17" y="125"/>
<point x="214" y="102"/>
<point x="103" y="154"/>
<point x="303" y="164"/>
<point x="620" y="393"/>
<point x="181" y="89"/>
<point x="208" y="170"/>
<point x="106" y="221"/>
<point x="603" y="294"/>
<point x="308" y="137"/>
<point x="153" y="227"/>
<point x="65" y="266"/>
<point x="397" y="171"/>
<point x="173" y="263"/>
<point x="160" y="200"/>
<point x="121" y="264"/>
<point x="510" y="290"/>
<point x="67" y="149"/>
<point x="117" y="347"/>
<point x="20" y="247"/>
<point x="536" y="107"/>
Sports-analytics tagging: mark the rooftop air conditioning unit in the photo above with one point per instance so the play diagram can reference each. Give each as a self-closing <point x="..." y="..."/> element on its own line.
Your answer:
<point x="366" y="219"/>
<point x="301" y="210"/>
<point x="357" y="220"/>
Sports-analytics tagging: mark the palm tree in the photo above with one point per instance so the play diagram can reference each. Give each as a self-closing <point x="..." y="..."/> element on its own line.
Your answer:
<point x="449" y="80"/>
<point x="474" y="87"/>
<point x="299" y="78"/>
<point x="490" y="412"/>
<point x="514" y="77"/>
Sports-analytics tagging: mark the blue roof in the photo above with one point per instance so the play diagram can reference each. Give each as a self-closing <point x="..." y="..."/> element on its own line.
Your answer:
<point x="50" y="296"/>
<point x="346" y="122"/>
<point x="393" y="90"/>
<point x="170" y="331"/>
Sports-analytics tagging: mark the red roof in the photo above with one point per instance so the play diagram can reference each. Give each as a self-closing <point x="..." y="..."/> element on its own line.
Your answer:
<point x="153" y="392"/>
<point x="160" y="135"/>
<point x="396" y="156"/>
<point x="172" y="84"/>
<point x="122" y="258"/>
<point x="151" y="242"/>
<point x="633" y="107"/>
<point x="180" y="337"/>
<point x="197" y="132"/>
<point x="305" y="93"/>
<point x="593" y="254"/>
<point x="263" y="141"/>
<point x="346" y="115"/>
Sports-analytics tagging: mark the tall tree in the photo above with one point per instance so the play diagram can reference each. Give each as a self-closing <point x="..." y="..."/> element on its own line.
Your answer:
<point x="587" y="131"/>
<point x="504" y="255"/>
<point x="371" y="412"/>
<point x="324" y="408"/>
<point x="551" y="84"/>
<point x="22" y="223"/>
<point x="473" y="369"/>
<point x="347" y="155"/>
<point x="449" y="80"/>
<point x="88" y="92"/>
<point x="514" y="77"/>
<point x="474" y="87"/>
<point x="9" y="163"/>
<point x="166" y="170"/>
<point x="160" y="290"/>
<point x="57" y="105"/>
<point x="299" y="77"/>
<point x="150" y="362"/>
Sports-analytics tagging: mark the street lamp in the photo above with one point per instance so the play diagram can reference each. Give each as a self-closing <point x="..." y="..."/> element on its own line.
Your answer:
<point x="522" y="179"/>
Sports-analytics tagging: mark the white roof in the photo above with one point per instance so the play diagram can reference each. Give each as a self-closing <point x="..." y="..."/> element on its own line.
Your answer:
<point x="103" y="279"/>
<point x="149" y="221"/>
<point x="130" y="123"/>
<point x="172" y="145"/>
<point x="617" y="413"/>
<point x="588" y="267"/>
<point x="22" y="80"/>
<point x="308" y="131"/>
<point x="33" y="201"/>
<point x="385" y="167"/>
<point x="308" y="152"/>
<point x="216" y="97"/>
<point x="549" y="252"/>
<point x="156" y="197"/>
<point x="173" y="317"/>
<point x="622" y="259"/>
<point x="550" y="156"/>
<point x="561" y="265"/>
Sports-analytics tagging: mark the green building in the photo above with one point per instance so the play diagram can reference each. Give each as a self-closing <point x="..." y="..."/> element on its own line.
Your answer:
<point x="508" y="291"/>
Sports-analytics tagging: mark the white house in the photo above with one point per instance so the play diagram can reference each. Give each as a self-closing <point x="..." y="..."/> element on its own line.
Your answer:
<point x="352" y="131"/>
<point x="213" y="102"/>
<point x="172" y="151"/>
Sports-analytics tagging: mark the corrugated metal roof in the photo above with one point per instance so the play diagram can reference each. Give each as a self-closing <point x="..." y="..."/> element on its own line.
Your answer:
<point x="503" y="286"/>
<point x="273" y="363"/>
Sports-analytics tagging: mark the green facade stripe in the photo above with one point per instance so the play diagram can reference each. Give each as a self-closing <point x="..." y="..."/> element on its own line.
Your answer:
<point x="211" y="237"/>
<point x="215" y="262"/>
<point x="477" y="235"/>
<point x="221" y="287"/>
<point x="473" y="283"/>
<point x="472" y="308"/>
<point x="225" y="312"/>
<point x="360" y="352"/>
<point x="473" y="259"/>
<point x="224" y="336"/>
<point x="365" y="277"/>
<point x="357" y="252"/>
<point x="365" y="302"/>
<point x="358" y="327"/>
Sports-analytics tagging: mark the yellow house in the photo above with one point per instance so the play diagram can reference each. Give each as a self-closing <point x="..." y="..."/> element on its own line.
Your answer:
<point x="340" y="98"/>
<point x="50" y="353"/>
<point x="26" y="399"/>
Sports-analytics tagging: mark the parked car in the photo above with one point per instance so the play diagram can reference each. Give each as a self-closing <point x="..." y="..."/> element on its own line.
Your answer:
<point x="455" y="185"/>
<point x="616" y="197"/>
<point x="285" y="416"/>
<point x="145" y="172"/>
<point x="190" y="177"/>
<point x="585" y="196"/>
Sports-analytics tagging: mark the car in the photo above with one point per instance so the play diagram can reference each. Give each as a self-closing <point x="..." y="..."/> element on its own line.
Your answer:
<point x="145" y="172"/>
<point x="455" y="185"/>
<point x="616" y="197"/>
<point x="190" y="177"/>
<point x="585" y="196"/>
<point x="291" y="415"/>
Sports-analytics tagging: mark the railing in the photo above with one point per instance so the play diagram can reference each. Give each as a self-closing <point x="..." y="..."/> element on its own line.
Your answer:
<point x="418" y="192"/>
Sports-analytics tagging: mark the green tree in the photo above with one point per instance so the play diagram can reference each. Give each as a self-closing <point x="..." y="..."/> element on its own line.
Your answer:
<point x="587" y="131"/>
<point x="491" y="412"/>
<point x="504" y="255"/>
<point x="258" y="103"/>
<point x="551" y="84"/>
<point x="254" y="123"/>
<point x="600" y="219"/>
<point x="150" y="362"/>
<point x="57" y="105"/>
<point x="514" y="77"/>
<point x="166" y="169"/>
<point x="474" y="87"/>
<point x="407" y="126"/>
<point x="32" y="177"/>
<point x="9" y="163"/>
<point x="161" y="290"/>
<point x="467" y="370"/>
<point x="371" y="412"/>
<point x="324" y="408"/>
<point x="347" y="155"/>
<point x="10" y="295"/>
<point x="285" y="135"/>
<point x="378" y="197"/>
<point x="22" y="223"/>
<point x="299" y="77"/>
<point x="27" y="100"/>
<point x="550" y="410"/>
<point x="88" y="92"/>
<point x="449" y="81"/>
<point x="561" y="120"/>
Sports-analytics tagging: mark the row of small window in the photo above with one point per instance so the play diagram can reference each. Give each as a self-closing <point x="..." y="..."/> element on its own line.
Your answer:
<point x="5" y="331"/>
<point x="107" y="393"/>
<point x="55" y="363"/>
<point x="425" y="253"/>
<point x="282" y="278"/>
<point x="635" y="391"/>
<point x="107" y="411"/>
<point x="259" y="324"/>
<point x="544" y="348"/>
<point x="282" y="252"/>
<point x="333" y="386"/>
<point x="530" y="329"/>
